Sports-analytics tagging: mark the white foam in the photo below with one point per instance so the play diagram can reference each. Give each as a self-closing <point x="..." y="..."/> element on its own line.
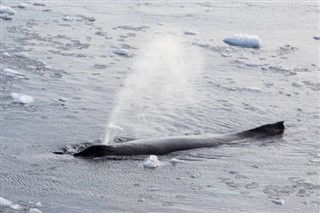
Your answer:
<point x="4" y="202"/>
<point x="34" y="210"/>
<point x="253" y="89"/>
<point x="15" y="207"/>
<point x="11" y="72"/>
<point x="121" y="51"/>
<point x="151" y="162"/>
<point x="22" y="55"/>
<point x="112" y="130"/>
<point x="7" y="10"/>
<point x="243" y="40"/>
<point x="21" y="98"/>
<point x="23" y="5"/>
<point x="191" y="32"/>
<point x="247" y="63"/>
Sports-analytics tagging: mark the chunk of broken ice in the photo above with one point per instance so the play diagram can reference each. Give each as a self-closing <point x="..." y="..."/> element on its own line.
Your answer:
<point x="22" y="55"/>
<point x="23" y="5"/>
<point x="8" y="10"/>
<point x="11" y="72"/>
<point x="121" y="51"/>
<point x="4" y="202"/>
<point x="21" y="98"/>
<point x="151" y="162"/>
<point x="191" y="32"/>
<point x="243" y="40"/>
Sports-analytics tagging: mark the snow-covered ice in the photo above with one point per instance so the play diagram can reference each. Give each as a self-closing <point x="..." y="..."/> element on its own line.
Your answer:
<point x="243" y="40"/>
<point x="151" y="162"/>
<point x="15" y="207"/>
<point x="278" y="201"/>
<point x="252" y="89"/>
<point x="22" y="55"/>
<point x="34" y="210"/>
<point x="6" y="54"/>
<point x="121" y="51"/>
<point x="21" y="98"/>
<point x="11" y="72"/>
<point x="4" y="202"/>
<point x="23" y="5"/>
<point x="7" y="10"/>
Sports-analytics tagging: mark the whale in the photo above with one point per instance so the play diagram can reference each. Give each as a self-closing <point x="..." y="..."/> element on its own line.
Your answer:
<point x="166" y="145"/>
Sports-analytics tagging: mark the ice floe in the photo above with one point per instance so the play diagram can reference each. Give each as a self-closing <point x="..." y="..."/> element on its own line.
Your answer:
<point x="67" y="18"/>
<point x="5" y="203"/>
<point x="316" y="37"/>
<point x="5" y="16"/>
<point x="152" y="162"/>
<point x="121" y="51"/>
<point x="201" y="44"/>
<point x="23" y="5"/>
<point x="243" y="40"/>
<point x="34" y="210"/>
<point x="7" y="10"/>
<point x="278" y="201"/>
<point x="15" y="207"/>
<point x="22" y="55"/>
<point x="175" y="161"/>
<point x="11" y="72"/>
<point x="247" y="63"/>
<point x="21" y="98"/>
<point x="39" y="4"/>
<point x="252" y="89"/>
<point x="191" y="32"/>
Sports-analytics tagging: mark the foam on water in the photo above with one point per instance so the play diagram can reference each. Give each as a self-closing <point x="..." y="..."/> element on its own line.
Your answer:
<point x="243" y="40"/>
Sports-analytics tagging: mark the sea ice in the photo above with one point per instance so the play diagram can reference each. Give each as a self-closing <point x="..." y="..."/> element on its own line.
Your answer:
<point x="201" y="44"/>
<point x="191" y="32"/>
<point x="243" y="40"/>
<point x="38" y="204"/>
<point x="8" y="10"/>
<point x="121" y="51"/>
<point x="21" y="98"/>
<point x="34" y="210"/>
<point x="5" y="16"/>
<point x="253" y="89"/>
<point x="278" y="201"/>
<point x="11" y="72"/>
<point x="15" y="207"/>
<point x="4" y="202"/>
<point x="151" y="162"/>
<point x="67" y="18"/>
<point x="22" y="55"/>
<point x="175" y="161"/>
<point x="23" y="5"/>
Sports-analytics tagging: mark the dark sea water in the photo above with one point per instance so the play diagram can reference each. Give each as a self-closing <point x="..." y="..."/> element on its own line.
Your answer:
<point x="199" y="85"/>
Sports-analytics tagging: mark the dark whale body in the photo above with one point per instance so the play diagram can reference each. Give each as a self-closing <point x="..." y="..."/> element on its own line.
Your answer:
<point x="163" y="146"/>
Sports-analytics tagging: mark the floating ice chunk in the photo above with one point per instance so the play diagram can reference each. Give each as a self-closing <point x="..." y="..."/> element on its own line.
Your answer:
<point x="121" y="51"/>
<point x="39" y="4"/>
<point x="15" y="207"/>
<point x="151" y="162"/>
<point x="4" y="202"/>
<point x="21" y="98"/>
<point x="34" y="210"/>
<point x="191" y="32"/>
<point x="23" y="5"/>
<point x="243" y="40"/>
<point x="253" y="89"/>
<point x="160" y="23"/>
<point x="7" y="10"/>
<point x="247" y="63"/>
<point x="38" y="204"/>
<point x="22" y="55"/>
<point x="316" y="37"/>
<point x="175" y="161"/>
<point x="6" y="54"/>
<point x="11" y="72"/>
<point x="278" y="201"/>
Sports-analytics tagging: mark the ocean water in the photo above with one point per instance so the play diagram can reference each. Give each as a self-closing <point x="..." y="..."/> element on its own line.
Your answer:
<point x="170" y="83"/>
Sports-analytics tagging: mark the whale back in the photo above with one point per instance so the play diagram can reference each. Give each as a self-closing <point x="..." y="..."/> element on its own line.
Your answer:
<point x="163" y="146"/>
